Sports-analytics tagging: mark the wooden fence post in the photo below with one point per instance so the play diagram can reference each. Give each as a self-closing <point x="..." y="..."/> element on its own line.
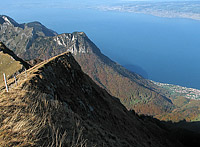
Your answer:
<point x="4" y="75"/>
<point x="26" y="73"/>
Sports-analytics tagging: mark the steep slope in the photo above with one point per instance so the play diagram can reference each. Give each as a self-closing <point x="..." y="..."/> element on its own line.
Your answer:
<point x="58" y="105"/>
<point x="137" y="95"/>
<point x="134" y="91"/>
<point x="10" y="64"/>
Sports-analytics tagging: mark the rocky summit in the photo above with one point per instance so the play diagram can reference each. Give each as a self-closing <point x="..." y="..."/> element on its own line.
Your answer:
<point x="57" y="104"/>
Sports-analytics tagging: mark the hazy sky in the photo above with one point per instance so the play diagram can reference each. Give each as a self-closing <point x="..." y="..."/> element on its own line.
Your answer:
<point x="8" y="2"/>
<point x="75" y="1"/>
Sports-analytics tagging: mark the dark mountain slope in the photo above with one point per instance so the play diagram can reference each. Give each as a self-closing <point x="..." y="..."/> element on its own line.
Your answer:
<point x="58" y="105"/>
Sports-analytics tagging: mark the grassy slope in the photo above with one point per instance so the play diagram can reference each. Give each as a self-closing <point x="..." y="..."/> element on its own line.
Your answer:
<point x="8" y="65"/>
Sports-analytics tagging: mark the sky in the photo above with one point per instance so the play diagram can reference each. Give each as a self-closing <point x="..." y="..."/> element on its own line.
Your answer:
<point x="76" y="1"/>
<point x="6" y="3"/>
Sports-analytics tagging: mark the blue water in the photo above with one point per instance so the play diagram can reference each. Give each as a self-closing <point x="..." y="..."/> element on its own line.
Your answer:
<point x="167" y="49"/>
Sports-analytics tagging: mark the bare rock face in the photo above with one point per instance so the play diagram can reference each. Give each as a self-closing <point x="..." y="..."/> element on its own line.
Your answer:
<point x="59" y="105"/>
<point x="75" y="42"/>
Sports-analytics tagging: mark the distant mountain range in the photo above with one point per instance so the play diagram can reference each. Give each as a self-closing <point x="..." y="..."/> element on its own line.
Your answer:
<point x="35" y="41"/>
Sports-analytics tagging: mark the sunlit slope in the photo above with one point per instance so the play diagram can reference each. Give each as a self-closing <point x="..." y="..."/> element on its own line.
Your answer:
<point x="10" y="64"/>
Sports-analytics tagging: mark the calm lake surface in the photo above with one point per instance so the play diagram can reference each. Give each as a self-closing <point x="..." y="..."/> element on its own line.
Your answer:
<point x="166" y="49"/>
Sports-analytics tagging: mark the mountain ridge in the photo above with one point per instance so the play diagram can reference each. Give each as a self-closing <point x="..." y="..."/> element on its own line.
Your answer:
<point x="57" y="98"/>
<point x="8" y="20"/>
<point x="134" y="91"/>
<point x="21" y="35"/>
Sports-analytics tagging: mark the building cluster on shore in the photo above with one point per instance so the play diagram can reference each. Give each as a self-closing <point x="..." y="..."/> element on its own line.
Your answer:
<point x="189" y="93"/>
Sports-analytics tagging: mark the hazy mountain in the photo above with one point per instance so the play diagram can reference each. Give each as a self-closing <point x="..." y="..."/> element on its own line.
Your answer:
<point x="58" y="105"/>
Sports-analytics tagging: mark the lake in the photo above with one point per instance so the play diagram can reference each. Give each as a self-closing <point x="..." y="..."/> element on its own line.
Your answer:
<point x="165" y="49"/>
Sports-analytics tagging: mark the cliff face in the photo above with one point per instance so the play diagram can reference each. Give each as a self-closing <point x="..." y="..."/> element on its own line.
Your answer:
<point x="58" y="105"/>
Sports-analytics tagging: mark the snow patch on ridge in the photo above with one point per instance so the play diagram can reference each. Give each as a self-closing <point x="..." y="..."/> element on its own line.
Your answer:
<point x="6" y="20"/>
